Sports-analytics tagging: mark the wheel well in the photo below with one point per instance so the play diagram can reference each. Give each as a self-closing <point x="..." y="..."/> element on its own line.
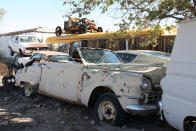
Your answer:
<point x="96" y="93"/>
<point x="189" y="123"/>
<point x="22" y="82"/>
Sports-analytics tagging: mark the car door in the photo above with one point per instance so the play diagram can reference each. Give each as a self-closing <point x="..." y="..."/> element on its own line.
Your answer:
<point x="61" y="80"/>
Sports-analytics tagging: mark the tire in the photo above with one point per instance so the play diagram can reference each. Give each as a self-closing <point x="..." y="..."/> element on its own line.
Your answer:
<point x="108" y="109"/>
<point x="58" y="31"/>
<point x="100" y="29"/>
<point x="8" y="80"/>
<point x="28" y="89"/>
<point x="21" y="66"/>
<point x="11" y="51"/>
<point x="21" y="53"/>
<point x="16" y="60"/>
<point x="82" y="28"/>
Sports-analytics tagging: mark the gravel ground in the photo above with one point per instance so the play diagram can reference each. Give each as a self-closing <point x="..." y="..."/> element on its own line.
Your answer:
<point x="42" y="113"/>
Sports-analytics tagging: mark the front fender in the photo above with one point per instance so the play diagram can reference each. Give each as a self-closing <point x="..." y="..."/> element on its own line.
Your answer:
<point x="31" y="74"/>
<point x="123" y="84"/>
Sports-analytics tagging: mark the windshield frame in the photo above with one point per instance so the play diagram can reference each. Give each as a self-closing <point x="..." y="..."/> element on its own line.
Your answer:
<point x="87" y="48"/>
<point x="68" y="56"/>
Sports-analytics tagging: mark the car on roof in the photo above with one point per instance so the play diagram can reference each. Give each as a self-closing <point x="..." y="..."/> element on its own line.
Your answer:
<point x="49" y="55"/>
<point x="25" y="45"/>
<point x="100" y="80"/>
<point x="143" y="56"/>
<point x="78" y="26"/>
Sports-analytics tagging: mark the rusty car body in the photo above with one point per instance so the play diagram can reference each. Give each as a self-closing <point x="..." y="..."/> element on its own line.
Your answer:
<point x="97" y="79"/>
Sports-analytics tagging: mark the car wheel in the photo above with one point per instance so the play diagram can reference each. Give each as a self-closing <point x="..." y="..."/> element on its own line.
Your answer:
<point x="58" y="31"/>
<point x="28" y="89"/>
<point x="11" y="52"/>
<point x="100" y="29"/>
<point x="21" y="65"/>
<point x="16" y="60"/>
<point x="21" y="53"/>
<point x="8" y="80"/>
<point x="108" y="109"/>
<point x="82" y="28"/>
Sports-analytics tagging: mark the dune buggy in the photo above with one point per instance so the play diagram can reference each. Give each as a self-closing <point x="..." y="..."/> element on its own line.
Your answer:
<point x="78" y="26"/>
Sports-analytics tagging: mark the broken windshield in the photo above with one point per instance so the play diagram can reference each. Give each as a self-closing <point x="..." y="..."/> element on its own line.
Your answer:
<point x="99" y="56"/>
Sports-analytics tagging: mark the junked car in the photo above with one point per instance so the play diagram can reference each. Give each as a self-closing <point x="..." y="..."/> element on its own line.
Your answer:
<point x="97" y="79"/>
<point x="50" y="55"/>
<point x="143" y="56"/>
<point x="25" y="45"/>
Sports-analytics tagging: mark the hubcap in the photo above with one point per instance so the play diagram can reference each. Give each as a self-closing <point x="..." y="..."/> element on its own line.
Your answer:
<point x="107" y="112"/>
<point x="28" y="90"/>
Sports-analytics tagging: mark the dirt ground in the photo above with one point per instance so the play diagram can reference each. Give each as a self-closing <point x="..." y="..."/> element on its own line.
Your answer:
<point x="41" y="113"/>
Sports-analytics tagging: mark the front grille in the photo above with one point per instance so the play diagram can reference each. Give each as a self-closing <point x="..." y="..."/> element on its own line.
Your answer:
<point x="154" y="97"/>
<point x="36" y="48"/>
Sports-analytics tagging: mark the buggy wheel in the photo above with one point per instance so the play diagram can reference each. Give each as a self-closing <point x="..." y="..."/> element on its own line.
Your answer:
<point x="82" y="28"/>
<point x="100" y="29"/>
<point x="58" y="31"/>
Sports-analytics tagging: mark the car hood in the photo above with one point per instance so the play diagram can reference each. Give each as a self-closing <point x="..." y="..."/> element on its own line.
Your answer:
<point x="154" y="71"/>
<point x="34" y="45"/>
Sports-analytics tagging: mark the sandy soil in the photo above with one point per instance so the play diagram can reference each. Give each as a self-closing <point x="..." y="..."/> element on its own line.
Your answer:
<point x="41" y="113"/>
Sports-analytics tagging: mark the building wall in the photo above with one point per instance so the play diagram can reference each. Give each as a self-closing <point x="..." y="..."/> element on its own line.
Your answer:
<point x="4" y="41"/>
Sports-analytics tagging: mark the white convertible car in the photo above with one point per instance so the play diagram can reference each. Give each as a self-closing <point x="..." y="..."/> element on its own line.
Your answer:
<point x="97" y="79"/>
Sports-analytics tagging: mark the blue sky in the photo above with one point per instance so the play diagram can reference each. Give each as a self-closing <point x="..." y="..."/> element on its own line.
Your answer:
<point x="26" y="14"/>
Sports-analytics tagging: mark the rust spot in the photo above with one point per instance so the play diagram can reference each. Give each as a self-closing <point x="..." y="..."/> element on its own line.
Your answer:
<point x="88" y="77"/>
<point x="124" y="84"/>
<point x="122" y="90"/>
<point x="79" y="84"/>
<point x="26" y="69"/>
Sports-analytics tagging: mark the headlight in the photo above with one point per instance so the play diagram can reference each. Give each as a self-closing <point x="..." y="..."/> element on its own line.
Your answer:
<point x="145" y="84"/>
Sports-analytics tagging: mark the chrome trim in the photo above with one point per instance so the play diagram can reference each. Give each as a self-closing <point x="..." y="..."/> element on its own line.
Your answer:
<point x="142" y="109"/>
<point x="160" y="105"/>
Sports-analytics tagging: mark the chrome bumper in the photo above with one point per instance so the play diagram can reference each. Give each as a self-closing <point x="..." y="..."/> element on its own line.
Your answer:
<point x="142" y="109"/>
<point x="27" y="52"/>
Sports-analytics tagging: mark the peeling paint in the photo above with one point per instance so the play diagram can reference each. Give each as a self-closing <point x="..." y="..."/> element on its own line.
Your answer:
<point x="122" y="90"/>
